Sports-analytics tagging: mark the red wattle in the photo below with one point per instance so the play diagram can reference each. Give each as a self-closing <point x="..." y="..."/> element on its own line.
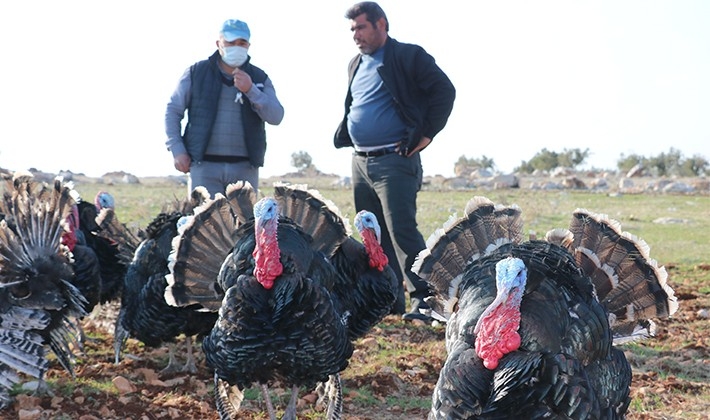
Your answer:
<point x="498" y="335"/>
<point x="267" y="257"/>
<point x="378" y="259"/>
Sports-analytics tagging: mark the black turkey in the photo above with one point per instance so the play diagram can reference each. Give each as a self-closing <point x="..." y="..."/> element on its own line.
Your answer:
<point x="112" y="267"/>
<point x="531" y="324"/>
<point x="285" y="311"/>
<point x="38" y="302"/>
<point x="367" y="285"/>
<point x="144" y="315"/>
<point x="85" y="262"/>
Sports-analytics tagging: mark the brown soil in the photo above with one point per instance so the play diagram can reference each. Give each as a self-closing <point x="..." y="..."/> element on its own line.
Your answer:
<point x="661" y="385"/>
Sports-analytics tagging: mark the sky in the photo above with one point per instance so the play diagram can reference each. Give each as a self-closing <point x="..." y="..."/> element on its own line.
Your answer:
<point x="85" y="84"/>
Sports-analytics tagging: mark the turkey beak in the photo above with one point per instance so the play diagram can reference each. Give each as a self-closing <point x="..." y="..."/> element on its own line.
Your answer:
<point x="378" y="234"/>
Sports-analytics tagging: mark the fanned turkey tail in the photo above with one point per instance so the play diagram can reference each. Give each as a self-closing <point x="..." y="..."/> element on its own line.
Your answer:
<point x="484" y="227"/>
<point x="21" y="348"/>
<point x="316" y="215"/>
<point x="38" y="303"/>
<point x="203" y="242"/>
<point x="113" y="229"/>
<point x="629" y="284"/>
<point x="241" y="197"/>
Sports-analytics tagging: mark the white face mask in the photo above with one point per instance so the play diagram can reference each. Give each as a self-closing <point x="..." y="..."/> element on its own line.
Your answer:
<point x="234" y="56"/>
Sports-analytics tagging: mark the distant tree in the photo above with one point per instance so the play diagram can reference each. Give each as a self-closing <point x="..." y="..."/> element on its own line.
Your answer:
<point x="465" y="166"/>
<point x="625" y="163"/>
<point x="546" y="160"/>
<point x="666" y="164"/>
<point x="302" y="161"/>
<point x="695" y="166"/>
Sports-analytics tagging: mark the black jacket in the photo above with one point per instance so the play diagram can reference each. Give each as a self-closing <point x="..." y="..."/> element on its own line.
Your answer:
<point x="423" y="94"/>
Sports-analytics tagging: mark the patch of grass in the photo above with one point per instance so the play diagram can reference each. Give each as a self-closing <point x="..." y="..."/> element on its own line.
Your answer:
<point x="367" y="397"/>
<point x="87" y="385"/>
<point x="682" y="239"/>
<point x="640" y="405"/>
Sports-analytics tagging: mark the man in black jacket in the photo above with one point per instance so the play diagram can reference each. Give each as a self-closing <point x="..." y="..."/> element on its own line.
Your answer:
<point x="397" y="101"/>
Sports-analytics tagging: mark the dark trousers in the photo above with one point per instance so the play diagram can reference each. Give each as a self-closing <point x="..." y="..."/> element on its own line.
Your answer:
<point x="387" y="186"/>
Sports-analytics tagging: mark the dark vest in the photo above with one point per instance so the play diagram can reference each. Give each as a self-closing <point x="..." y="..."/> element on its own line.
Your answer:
<point x="207" y="81"/>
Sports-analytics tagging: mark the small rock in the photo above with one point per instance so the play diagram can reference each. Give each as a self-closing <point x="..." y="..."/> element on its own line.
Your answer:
<point x="123" y="385"/>
<point x="33" y="414"/>
<point x="148" y="374"/>
<point x="310" y="398"/>
<point x="125" y="399"/>
<point x="28" y="402"/>
<point x="106" y="412"/>
<point x="158" y="382"/>
<point x="176" y="381"/>
<point x="703" y="314"/>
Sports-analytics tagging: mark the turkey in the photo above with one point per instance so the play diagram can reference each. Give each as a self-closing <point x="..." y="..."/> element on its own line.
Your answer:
<point x="112" y="267"/>
<point x="38" y="302"/>
<point x="367" y="286"/>
<point x="286" y="312"/>
<point x="144" y="315"/>
<point x="98" y="272"/>
<point x="531" y="324"/>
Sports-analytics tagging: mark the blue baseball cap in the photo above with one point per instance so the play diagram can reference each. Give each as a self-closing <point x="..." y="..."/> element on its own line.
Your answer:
<point x="233" y="29"/>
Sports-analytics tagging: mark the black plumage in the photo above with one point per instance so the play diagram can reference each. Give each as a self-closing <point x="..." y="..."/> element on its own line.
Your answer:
<point x="39" y="304"/>
<point x="578" y="291"/>
<point x="285" y="308"/>
<point x="368" y="286"/>
<point x="144" y="315"/>
<point x="112" y="269"/>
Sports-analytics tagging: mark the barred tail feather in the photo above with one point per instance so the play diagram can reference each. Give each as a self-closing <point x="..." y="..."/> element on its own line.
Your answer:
<point x="198" y="252"/>
<point x="241" y="197"/>
<point x="113" y="229"/>
<point x="630" y="285"/>
<point x="317" y="216"/>
<point x="484" y="227"/>
<point x="61" y="340"/>
<point x="23" y="351"/>
<point x="228" y="399"/>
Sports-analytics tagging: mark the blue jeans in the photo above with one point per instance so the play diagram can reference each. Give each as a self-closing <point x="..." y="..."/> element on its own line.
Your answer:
<point x="215" y="176"/>
<point x="387" y="186"/>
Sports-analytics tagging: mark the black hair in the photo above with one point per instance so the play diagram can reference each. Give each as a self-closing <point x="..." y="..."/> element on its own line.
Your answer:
<point x="373" y="11"/>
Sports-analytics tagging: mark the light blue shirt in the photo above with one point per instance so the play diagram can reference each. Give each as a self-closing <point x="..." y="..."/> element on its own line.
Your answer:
<point x="373" y="120"/>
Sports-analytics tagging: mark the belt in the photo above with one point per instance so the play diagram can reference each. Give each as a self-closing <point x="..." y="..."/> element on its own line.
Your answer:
<point x="224" y="159"/>
<point x="377" y="152"/>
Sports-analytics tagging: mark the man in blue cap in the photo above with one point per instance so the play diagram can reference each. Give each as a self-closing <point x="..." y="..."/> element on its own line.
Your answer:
<point x="228" y="101"/>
